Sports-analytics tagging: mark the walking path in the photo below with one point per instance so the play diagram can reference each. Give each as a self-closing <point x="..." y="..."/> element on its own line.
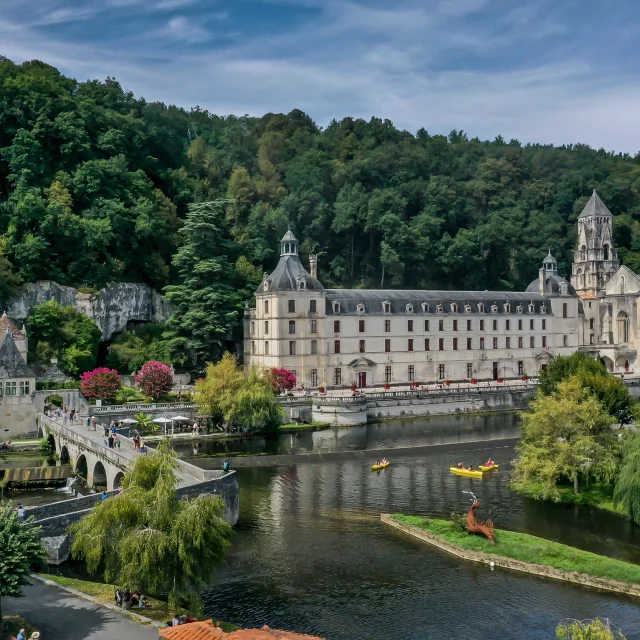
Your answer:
<point x="59" y="615"/>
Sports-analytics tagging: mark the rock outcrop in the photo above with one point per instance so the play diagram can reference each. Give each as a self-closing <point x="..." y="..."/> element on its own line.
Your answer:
<point x="111" y="308"/>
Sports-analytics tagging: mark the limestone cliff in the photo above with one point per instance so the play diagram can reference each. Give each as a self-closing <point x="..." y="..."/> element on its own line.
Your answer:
<point x="111" y="308"/>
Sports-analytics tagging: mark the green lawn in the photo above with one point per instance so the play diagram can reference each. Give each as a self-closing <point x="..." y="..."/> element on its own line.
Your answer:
<point x="159" y="610"/>
<point x="521" y="546"/>
<point x="299" y="426"/>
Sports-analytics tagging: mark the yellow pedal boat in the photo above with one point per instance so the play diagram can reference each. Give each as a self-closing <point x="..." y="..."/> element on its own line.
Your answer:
<point x="377" y="467"/>
<point x="466" y="472"/>
<point x="491" y="468"/>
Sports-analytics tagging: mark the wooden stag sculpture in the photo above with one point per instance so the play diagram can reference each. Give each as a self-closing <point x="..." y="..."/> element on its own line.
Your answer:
<point x="484" y="528"/>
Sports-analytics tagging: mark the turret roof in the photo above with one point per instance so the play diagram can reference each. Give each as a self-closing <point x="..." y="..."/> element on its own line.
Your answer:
<point x="595" y="207"/>
<point x="12" y="364"/>
<point x="289" y="237"/>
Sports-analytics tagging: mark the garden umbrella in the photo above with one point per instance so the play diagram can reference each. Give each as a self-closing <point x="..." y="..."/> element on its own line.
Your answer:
<point x="129" y="421"/>
<point x="164" y="422"/>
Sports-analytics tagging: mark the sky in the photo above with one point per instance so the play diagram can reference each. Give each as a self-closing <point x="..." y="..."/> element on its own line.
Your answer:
<point x="547" y="71"/>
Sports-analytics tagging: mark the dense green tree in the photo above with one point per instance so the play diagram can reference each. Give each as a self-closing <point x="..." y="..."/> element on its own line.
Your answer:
<point x="590" y="630"/>
<point x="148" y="539"/>
<point x="627" y="489"/>
<point x="206" y="302"/>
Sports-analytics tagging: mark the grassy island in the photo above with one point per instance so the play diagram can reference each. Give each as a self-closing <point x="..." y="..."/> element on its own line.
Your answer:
<point x="527" y="549"/>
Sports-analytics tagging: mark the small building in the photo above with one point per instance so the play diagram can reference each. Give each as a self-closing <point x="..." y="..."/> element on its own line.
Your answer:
<point x="207" y="630"/>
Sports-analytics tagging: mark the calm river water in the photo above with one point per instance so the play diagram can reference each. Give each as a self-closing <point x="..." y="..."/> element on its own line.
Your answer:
<point x="311" y="555"/>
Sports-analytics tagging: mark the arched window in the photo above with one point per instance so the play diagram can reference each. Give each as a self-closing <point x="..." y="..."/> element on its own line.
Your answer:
<point x="580" y="278"/>
<point x="623" y="327"/>
<point x="266" y="306"/>
<point x="621" y="284"/>
<point x="565" y="341"/>
<point x="386" y="307"/>
<point x="606" y="251"/>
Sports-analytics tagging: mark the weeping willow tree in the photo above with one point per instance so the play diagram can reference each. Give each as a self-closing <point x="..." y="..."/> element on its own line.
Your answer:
<point x="591" y="630"/>
<point x="627" y="489"/>
<point x="241" y="397"/>
<point x="149" y="540"/>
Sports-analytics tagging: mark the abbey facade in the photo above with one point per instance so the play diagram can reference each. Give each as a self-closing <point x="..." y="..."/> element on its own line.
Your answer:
<point x="338" y="337"/>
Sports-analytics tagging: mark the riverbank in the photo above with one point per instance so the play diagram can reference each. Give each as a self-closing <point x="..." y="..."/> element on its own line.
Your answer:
<point x="524" y="552"/>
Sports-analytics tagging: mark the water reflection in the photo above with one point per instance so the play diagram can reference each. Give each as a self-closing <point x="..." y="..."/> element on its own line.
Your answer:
<point x="311" y="554"/>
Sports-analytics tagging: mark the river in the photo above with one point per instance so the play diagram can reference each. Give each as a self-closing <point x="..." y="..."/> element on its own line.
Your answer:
<point x="311" y="555"/>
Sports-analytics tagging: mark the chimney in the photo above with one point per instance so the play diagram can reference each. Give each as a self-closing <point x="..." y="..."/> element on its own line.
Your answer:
<point x="313" y="265"/>
<point x="542" y="278"/>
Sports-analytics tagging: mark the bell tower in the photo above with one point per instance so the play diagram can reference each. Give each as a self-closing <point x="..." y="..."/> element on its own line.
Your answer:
<point x="595" y="260"/>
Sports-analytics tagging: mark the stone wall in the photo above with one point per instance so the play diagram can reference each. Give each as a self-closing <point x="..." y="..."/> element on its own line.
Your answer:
<point x="17" y="417"/>
<point x="111" y="308"/>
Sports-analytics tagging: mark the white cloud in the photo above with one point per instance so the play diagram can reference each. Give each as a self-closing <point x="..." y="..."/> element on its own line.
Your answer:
<point x="182" y="28"/>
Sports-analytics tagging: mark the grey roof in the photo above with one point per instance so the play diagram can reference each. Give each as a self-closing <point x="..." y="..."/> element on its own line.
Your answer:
<point x="595" y="207"/>
<point x="51" y="373"/>
<point x="286" y="275"/>
<point x="12" y="364"/>
<point x="553" y="285"/>
<point x="372" y="299"/>
<point x="289" y="237"/>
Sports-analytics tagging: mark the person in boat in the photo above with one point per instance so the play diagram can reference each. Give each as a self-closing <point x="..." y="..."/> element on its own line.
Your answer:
<point x="470" y="467"/>
<point x="489" y="463"/>
<point x="384" y="461"/>
<point x="459" y="465"/>
<point x="377" y="464"/>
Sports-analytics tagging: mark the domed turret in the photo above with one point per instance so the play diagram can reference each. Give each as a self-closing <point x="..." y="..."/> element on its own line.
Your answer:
<point x="549" y="283"/>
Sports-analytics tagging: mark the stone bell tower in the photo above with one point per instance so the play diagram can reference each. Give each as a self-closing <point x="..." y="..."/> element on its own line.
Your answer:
<point x="595" y="260"/>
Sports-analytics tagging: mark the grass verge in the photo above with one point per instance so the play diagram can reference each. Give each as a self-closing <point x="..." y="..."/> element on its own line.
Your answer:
<point x="527" y="548"/>
<point x="159" y="610"/>
<point x="298" y="426"/>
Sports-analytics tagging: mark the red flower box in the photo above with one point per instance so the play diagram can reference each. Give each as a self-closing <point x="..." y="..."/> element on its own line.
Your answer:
<point x="386" y="387"/>
<point x="353" y="387"/>
<point x="500" y="380"/>
<point x="474" y="381"/>
<point x="524" y="378"/>
<point x="447" y="382"/>
<point x="321" y="389"/>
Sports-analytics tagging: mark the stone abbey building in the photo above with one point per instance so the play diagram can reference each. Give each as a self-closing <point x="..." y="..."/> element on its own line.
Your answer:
<point x="338" y="337"/>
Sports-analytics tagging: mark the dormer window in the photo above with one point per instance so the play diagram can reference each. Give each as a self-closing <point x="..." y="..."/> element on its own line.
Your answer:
<point x="507" y="307"/>
<point x="519" y="309"/>
<point x="360" y="308"/>
<point x="543" y="309"/>
<point x="425" y="307"/>
<point x="481" y="307"/>
<point x="301" y="282"/>
<point x="386" y="307"/>
<point x="439" y="308"/>
<point x="532" y="308"/>
<point x="494" y="308"/>
<point x="336" y="307"/>
<point x="266" y="285"/>
<point x="409" y="308"/>
<point x="467" y="308"/>
<point x="454" y="307"/>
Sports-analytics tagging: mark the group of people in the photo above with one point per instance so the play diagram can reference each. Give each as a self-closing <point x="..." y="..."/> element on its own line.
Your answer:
<point x="488" y="463"/>
<point x="139" y="444"/>
<point x="127" y="600"/>
<point x="112" y="439"/>
<point x="62" y="413"/>
<point x="379" y="463"/>
<point x="178" y="620"/>
<point x="5" y="445"/>
<point x="21" y="635"/>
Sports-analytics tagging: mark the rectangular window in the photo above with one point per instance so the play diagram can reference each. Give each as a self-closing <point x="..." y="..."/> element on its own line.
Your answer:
<point x="336" y="326"/>
<point x="564" y="309"/>
<point x="336" y="346"/>
<point x="481" y="325"/>
<point x="253" y="328"/>
<point x="361" y="326"/>
<point x="266" y="327"/>
<point x="409" y="325"/>
<point x="495" y="325"/>
<point x="292" y="326"/>
<point x="314" y="377"/>
<point x="387" y="345"/>
<point x="590" y="323"/>
<point x="314" y="326"/>
<point x="22" y="388"/>
<point x="426" y="325"/>
<point x="337" y="377"/>
<point x="520" y="342"/>
<point x="591" y="339"/>
<point x="314" y="347"/>
<point x="520" y="368"/>
<point x="455" y="344"/>
<point x="440" y="325"/>
<point x="495" y="343"/>
<point x="412" y="373"/>
<point x="441" y="344"/>
<point x="455" y="325"/>
<point x="387" y="374"/>
<point x="544" y="324"/>
<point x="531" y="324"/>
<point x="441" y="371"/>
<point x="468" y="325"/>
<point x="292" y="306"/>
<point x="469" y="347"/>
<point x="387" y="326"/>
<point x="544" y="341"/>
<point x="266" y="306"/>
<point x="312" y="309"/>
<point x="507" y="325"/>
<point x="482" y="343"/>
<point x="469" y="370"/>
<point x="253" y="350"/>
<point x="427" y="344"/>
<point x="292" y="348"/>
<point x="532" y="342"/>
<point x="266" y="348"/>
<point x="10" y="389"/>
<point x="410" y="344"/>
<point x="519" y="325"/>
<point x="508" y="343"/>
<point x="361" y="346"/>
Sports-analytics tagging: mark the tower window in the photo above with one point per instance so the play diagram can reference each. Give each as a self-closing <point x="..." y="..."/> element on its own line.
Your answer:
<point x="312" y="306"/>
<point x="410" y="344"/>
<point x="292" y="306"/>
<point x="314" y="347"/>
<point x="266" y="306"/>
<point x="336" y="346"/>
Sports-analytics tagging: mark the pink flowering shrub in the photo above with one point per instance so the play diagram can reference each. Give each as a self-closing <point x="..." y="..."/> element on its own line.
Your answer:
<point x="154" y="379"/>
<point x="281" y="379"/>
<point x="102" y="383"/>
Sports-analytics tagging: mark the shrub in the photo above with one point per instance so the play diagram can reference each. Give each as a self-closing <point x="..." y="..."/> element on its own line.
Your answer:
<point x="281" y="379"/>
<point x="100" y="383"/>
<point x="128" y="394"/>
<point x="155" y="379"/>
<point x="459" y="522"/>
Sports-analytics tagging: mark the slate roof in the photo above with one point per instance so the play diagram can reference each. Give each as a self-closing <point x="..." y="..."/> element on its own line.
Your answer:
<point x="285" y="276"/>
<point x="289" y="237"/>
<point x="595" y="207"/>
<point x="552" y="285"/>
<point x="373" y="299"/>
<point x="12" y="364"/>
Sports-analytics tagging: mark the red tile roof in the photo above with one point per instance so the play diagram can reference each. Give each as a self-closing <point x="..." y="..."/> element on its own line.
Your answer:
<point x="8" y="325"/>
<point x="208" y="631"/>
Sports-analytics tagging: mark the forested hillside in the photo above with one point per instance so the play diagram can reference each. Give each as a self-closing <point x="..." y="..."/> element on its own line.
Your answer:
<point x="95" y="183"/>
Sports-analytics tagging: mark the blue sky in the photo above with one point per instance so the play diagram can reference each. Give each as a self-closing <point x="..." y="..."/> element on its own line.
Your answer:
<point x="537" y="70"/>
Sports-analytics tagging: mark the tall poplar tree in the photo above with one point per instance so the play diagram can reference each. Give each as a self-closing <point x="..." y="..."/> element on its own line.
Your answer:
<point x="206" y="300"/>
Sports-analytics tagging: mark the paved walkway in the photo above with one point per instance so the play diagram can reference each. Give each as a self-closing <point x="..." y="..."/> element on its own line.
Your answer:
<point x="61" y="616"/>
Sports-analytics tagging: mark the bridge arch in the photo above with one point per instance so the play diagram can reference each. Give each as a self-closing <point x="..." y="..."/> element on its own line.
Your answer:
<point x="117" y="480"/>
<point x="81" y="467"/>
<point x="65" y="458"/>
<point x="98" y="475"/>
